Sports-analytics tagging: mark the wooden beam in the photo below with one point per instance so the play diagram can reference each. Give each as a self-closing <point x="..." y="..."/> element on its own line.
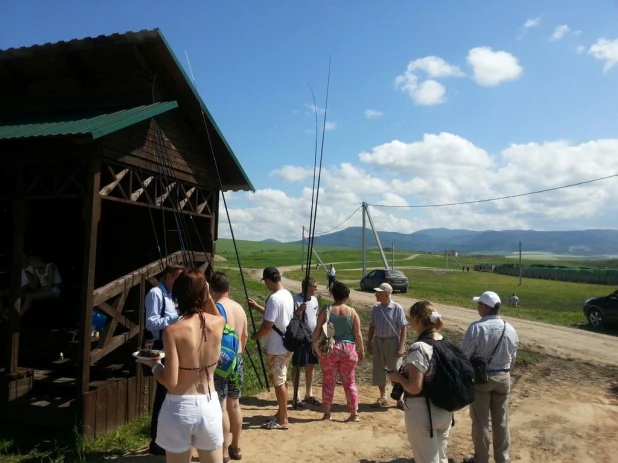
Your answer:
<point x="114" y="288"/>
<point x="92" y="214"/>
<point x="164" y="208"/>
<point x="19" y="225"/>
<point x="168" y="189"/>
<point x="118" y="177"/>
<point x="137" y="193"/>
<point x="109" y="330"/>
<point x="117" y="341"/>
<point x="115" y="314"/>
<point x="187" y="197"/>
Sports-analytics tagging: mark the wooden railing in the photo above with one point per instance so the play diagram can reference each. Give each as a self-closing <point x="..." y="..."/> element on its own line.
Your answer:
<point x="110" y="299"/>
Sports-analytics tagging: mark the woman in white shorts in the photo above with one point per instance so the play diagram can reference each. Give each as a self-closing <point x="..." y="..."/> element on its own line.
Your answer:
<point x="191" y="414"/>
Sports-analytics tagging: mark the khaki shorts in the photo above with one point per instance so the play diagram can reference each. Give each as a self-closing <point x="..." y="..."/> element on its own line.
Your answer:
<point x="278" y="368"/>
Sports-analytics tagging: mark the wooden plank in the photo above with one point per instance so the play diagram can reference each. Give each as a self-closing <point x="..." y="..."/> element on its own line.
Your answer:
<point x="164" y="208"/>
<point x="117" y="178"/>
<point x="110" y="290"/>
<point x="115" y="342"/>
<point x="89" y="414"/>
<point x="142" y="313"/>
<point x="100" y="425"/>
<point x="92" y="214"/>
<point x="108" y="331"/>
<point x="132" y="398"/>
<point x="112" y="401"/>
<point x="121" y="403"/>
<point x="109" y="310"/>
<point x="19" y="224"/>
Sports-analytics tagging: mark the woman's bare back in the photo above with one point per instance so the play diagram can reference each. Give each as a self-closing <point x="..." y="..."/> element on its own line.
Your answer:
<point x="193" y="353"/>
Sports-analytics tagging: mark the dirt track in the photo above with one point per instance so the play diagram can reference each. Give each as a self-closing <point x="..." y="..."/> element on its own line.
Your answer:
<point x="555" y="340"/>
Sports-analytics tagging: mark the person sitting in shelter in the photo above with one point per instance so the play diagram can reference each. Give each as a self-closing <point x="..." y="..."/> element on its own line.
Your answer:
<point x="50" y="283"/>
<point x="28" y="283"/>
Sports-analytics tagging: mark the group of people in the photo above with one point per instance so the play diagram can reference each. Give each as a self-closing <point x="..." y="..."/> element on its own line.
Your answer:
<point x="39" y="280"/>
<point x="195" y="408"/>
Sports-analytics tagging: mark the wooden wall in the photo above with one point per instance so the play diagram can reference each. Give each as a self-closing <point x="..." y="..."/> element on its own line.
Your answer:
<point x="116" y="403"/>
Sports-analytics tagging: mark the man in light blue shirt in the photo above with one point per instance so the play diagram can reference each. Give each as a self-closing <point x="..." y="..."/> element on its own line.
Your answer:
<point x="160" y="313"/>
<point x="495" y="340"/>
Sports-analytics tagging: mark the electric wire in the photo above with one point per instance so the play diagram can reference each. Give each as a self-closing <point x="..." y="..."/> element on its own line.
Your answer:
<point x="498" y="198"/>
<point x="335" y="228"/>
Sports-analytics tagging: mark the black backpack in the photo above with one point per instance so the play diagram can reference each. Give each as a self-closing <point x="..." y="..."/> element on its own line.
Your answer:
<point x="452" y="386"/>
<point x="297" y="334"/>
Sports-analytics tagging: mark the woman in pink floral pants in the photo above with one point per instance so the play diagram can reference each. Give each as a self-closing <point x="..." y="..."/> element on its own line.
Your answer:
<point x="343" y="357"/>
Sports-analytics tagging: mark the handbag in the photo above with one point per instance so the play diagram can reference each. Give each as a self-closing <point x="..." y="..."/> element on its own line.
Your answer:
<point x="323" y="345"/>
<point x="479" y="364"/>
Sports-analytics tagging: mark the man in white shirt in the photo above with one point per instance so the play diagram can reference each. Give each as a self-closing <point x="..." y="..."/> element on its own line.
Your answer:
<point x="228" y="391"/>
<point x="277" y="313"/>
<point x="160" y="313"/>
<point x="306" y="358"/>
<point x="514" y="301"/>
<point x="330" y="273"/>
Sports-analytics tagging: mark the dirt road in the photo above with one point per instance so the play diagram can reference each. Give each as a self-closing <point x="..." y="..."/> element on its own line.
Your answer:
<point x="554" y="340"/>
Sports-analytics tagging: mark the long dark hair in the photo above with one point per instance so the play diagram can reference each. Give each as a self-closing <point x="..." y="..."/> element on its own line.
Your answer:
<point x="190" y="292"/>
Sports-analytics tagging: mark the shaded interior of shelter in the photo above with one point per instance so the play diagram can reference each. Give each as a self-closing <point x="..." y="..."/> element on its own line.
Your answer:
<point x="129" y="238"/>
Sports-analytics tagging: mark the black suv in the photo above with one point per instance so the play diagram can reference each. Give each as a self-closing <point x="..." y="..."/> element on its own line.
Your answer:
<point x="603" y="310"/>
<point x="395" y="278"/>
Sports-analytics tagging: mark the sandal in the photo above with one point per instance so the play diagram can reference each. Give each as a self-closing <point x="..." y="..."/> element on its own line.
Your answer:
<point x="226" y="459"/>
<point x="235" y="453"/>
<point x="312" y="400"/>
<point x="326" y="417"/>
<point x="274" y="425"/>
<point x="353" y="419"/>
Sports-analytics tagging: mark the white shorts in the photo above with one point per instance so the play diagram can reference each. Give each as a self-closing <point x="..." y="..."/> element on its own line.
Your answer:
<point x="189" y="421"/>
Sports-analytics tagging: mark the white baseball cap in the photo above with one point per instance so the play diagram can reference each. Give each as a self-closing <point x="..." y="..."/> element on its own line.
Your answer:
<point x="489" y="298"/>
<point x="384" y="287"/>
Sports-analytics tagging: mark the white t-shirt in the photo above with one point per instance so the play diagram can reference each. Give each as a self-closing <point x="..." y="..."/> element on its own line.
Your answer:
<point x="311" y="311"/>
<point x="279" y="310"/>
<point x="420" y="355"/>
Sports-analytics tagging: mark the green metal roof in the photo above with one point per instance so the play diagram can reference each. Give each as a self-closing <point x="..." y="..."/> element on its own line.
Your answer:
<point x="96" y="126"/>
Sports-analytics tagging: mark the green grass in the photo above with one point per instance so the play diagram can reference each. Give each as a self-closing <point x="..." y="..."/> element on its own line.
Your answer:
<point x="555" y="302"/>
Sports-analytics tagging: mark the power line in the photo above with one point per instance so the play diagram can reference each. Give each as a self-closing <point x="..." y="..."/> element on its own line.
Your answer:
<point x="501" y="197"/>
<point x="328" y="231"/>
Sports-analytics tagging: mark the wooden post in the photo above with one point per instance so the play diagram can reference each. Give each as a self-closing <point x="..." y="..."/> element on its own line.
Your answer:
<point x="19" y="213"/>
<point x="92" y="214"/>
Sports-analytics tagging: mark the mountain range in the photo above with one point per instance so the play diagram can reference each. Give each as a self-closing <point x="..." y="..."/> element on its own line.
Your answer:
<point x="576" y="242"/>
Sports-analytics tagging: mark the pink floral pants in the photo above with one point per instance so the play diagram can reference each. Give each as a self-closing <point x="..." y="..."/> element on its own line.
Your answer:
<point x="343" y="359"/>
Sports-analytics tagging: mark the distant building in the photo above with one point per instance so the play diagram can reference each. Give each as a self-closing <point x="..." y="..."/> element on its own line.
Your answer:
<point x="450" y="252"/>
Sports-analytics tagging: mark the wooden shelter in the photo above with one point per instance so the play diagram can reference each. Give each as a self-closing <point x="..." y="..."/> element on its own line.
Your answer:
<point x="107" y="169"/>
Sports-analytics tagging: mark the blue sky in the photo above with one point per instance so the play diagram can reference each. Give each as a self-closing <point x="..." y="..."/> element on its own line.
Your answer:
<point x="488" y="107"/>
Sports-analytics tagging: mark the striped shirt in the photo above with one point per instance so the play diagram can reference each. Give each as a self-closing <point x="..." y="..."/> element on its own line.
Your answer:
<point x="483" y="336"/>
<point x="387" y="321"/>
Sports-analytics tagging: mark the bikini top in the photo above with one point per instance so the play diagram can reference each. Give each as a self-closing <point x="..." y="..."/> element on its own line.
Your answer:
<point x="204" y="368"/>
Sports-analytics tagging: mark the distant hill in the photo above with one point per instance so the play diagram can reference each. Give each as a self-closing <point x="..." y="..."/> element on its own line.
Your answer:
<point x="577" y="242"/>
<point x="272" y="241"/>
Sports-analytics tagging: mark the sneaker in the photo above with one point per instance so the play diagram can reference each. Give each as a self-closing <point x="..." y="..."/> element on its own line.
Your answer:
<point x="381" y="402"/>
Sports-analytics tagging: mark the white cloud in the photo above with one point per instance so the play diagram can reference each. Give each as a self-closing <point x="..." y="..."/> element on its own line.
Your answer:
<point x="580" y="49"/>
<point x="492" y="68"/>
<point x="373" y="114"/>
<point x="315" y="109"/>
<point x="426" y="92"/>
<point x="292" y="174"/>
<point x="605" y="50"/>
<point x="532" y="22"/>
<point x="434" y="66"/>
<point x="560" y="32"/>
<point x="441" y="168"/>
<point x="330" y="126"/>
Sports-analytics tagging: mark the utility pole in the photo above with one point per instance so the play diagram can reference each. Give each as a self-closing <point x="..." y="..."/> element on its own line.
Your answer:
<point x="377" y="238"/>
<point x="393" y="253"/>
<point x="364" y="205"/>
<point x="447" y="256"/>
<point x="302" y="250"/>
<point x="520" y="267"/>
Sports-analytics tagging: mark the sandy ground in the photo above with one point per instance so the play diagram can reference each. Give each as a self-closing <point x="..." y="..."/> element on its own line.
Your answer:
<point x="561" y="411"/>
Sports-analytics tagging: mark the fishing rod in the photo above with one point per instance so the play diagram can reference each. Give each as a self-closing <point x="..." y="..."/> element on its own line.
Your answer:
<point x="313" y="214"/>
<point x="229" y="220"/>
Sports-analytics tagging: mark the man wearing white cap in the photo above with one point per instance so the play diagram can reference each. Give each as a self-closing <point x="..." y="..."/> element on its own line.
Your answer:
<point x="496" y="341"/>
<point x="387" y="338"/>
